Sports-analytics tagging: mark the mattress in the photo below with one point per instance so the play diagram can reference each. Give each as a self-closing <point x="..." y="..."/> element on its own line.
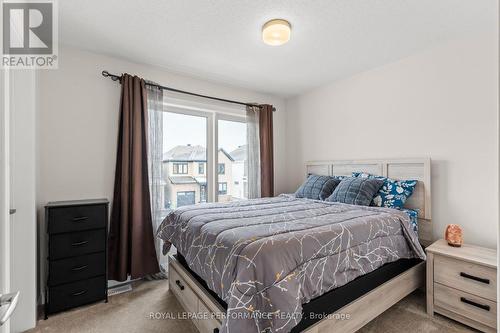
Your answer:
<point x="267" y="257"/>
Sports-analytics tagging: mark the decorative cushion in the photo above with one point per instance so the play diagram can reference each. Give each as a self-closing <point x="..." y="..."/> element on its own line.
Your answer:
<point x="356" y="191"/>
<point x="393" y="193"/>
<point x="317" y="187"/>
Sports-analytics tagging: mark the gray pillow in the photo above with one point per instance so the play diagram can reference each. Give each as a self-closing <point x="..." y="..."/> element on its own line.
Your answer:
<point x="356" y="191"/>
<point x="317" y="187"/>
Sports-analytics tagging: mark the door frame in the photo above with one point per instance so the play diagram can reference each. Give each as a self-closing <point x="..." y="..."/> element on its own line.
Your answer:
<point x="5" y="246"/>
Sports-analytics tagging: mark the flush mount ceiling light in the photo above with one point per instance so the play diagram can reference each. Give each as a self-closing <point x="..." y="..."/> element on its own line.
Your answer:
<point x="276" y="32"/>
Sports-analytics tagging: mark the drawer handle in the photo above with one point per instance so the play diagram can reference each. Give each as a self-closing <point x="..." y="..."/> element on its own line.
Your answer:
<point x="179" y="284"/>
<point x="79" y="293"/>
<point x="80" y="219"/>
<point x="481" y="306"/>
<point x="475" y="278"/>
<point x="79" y="243"/>
<point x="79" y="268"/>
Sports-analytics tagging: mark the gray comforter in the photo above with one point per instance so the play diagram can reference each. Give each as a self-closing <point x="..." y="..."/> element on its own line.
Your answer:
<point x="267" y="257"/>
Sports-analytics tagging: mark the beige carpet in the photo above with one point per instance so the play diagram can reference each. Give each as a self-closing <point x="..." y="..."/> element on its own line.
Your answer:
<point x="130" y="312"/>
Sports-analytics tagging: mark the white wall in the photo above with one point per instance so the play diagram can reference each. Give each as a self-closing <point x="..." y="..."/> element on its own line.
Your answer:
<point x="23" y="190"/>
<point x="441" y="103"/>
<point x="78" y="121"/>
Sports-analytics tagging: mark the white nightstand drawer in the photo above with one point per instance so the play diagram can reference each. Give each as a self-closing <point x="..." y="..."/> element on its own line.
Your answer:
<point x="465" y="304"/>
<point x="472" y="278"/>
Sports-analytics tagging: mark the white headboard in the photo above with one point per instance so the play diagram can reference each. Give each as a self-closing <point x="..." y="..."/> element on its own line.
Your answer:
<point x="399" y="169"/>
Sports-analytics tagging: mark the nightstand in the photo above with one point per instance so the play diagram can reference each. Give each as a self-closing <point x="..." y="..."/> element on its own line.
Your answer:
<point x="462" y="284"/>
<point x="77" y="254"/>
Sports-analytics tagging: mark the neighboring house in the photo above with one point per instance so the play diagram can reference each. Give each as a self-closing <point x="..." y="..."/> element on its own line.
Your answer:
<point x="185" y="174"/>
<point x="225" y="176"/>
<point x="240" y="177"/>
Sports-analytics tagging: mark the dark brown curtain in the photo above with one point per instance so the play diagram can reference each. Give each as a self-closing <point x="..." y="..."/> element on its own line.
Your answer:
<point x="131" y="245"/>
<point x="266" y="151"/>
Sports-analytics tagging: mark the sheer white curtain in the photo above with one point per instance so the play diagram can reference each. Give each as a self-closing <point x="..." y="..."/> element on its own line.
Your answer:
<point x="155" y="168"/>
<point x="252" y="167"/>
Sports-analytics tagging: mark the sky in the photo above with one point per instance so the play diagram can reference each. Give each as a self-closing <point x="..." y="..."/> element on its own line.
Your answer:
<point x="180" y="129"/>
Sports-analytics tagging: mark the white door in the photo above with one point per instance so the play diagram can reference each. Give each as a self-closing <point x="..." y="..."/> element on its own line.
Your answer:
<point x="17" y="190"/>
<point x="4" y="190"/>
<point x="23" y="263"/>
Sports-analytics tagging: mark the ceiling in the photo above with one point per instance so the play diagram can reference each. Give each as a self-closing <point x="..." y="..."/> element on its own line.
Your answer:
<point x="219" y="40"/>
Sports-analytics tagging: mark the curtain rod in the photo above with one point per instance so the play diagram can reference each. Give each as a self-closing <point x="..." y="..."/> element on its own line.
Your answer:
<point x="118" y="78"/>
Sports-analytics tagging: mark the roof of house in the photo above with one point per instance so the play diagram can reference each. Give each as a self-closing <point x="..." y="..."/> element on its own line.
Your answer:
<point x="201" y="180"/>
<point x="186" y="153"/>
<point x="189" y="153"/>
<point x="227" y="154"/>
<point x="187" y="180"/>
<point x="182" y="180"/>
<point x="240" y="153"/>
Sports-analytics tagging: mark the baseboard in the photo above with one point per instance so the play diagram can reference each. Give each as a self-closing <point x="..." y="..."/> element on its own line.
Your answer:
<point x="120" y="289"/>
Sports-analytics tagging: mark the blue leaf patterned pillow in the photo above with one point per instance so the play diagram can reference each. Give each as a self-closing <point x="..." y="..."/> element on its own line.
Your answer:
<point x="413" y="214"/>
<point x="393" y="193"/>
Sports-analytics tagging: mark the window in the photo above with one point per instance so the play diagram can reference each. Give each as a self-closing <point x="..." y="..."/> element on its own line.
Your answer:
<point x="222" y="188"/>
<point x="184" y="150"/>
<point x="192" y="165"/>
<point x="180" y="168"/>
<point x="222" y="168"/>
<point x="232" y="154"/>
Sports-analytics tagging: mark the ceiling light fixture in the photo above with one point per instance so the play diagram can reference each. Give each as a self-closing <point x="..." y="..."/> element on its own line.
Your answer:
<point x="276" y="32"/>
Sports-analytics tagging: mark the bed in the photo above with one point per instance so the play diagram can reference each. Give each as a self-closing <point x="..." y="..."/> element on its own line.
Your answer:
<point x="290" y="264"/>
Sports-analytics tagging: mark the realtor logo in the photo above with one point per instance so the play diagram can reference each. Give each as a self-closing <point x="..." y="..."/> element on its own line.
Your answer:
<point x="29" y="35"/>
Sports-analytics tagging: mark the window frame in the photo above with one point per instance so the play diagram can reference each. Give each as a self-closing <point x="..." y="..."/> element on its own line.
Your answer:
<point x="224" y="191"/>
<point x="212" y="113"/>
<point x="226" y="117"/>
<point x="178" y="164"/>
<point x="219" y="165"/>
<point x="201" y="165"/>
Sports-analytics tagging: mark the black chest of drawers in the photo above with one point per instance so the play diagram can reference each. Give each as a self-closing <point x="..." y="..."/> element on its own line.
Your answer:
<point x="77" y="253"/>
